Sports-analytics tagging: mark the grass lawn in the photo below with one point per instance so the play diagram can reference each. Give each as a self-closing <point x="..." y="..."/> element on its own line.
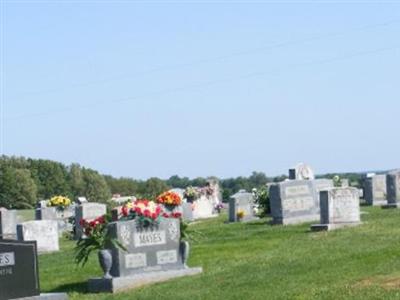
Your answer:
<point x="26" y="214"/>
<point x="259" y="261"/>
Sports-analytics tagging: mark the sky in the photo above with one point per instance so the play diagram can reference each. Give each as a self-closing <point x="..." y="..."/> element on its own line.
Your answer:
<point x="192" y="88"/>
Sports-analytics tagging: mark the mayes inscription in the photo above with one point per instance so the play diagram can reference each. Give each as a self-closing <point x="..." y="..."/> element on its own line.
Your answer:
<point x="150" y="238"/>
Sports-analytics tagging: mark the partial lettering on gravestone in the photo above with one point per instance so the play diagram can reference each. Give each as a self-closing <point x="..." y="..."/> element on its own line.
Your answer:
<point x="8" y="224"/>
<point x="340" y="207"/>
<point x="293" y="202"/>
<point x="44" y="232"/>
<point x="19" y="272"/>
<point x="154" y="253"/>
<point x="241" y="207"/>
<point x="19" y="276"/>
<point x="375" y="190"/>
<point x="88" y="211"/>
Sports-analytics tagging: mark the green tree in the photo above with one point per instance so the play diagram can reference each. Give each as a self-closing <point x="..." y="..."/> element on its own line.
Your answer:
<point x="96" y="188"/>
<point x="153" y="187"/>
<point x="51" y="178"/>
<point x="17" y="188"/>
<point x="76" y="180"/>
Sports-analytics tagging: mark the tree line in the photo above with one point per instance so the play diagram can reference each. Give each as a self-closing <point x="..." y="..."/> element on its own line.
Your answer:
<point x="24" y="181"/>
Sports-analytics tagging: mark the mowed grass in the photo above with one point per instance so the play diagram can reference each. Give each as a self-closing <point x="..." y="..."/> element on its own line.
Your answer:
<point x="260" y="261"/>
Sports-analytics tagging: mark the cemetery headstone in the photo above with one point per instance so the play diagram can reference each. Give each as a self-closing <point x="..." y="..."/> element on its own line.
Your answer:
<point x="301" y="172"/>
<point x="393" y="190"/>
<point x="203" y="208"/>
<point x="19" y="272"/>
<point x="8" y="224"/>
<point x="241" y="207"/>
<point x="88" y="211"/>
<point x="375" y="190"/>
<point x="44" y="232"/>
<point x="344" y="182"/>
<point x="296" y="201"/>
<point x="61" y="216"/>
<point x="153" y="254"/>
<point x="81" y="200"/>
<point x="187" y="212"/>
<point x="340" y="207"/>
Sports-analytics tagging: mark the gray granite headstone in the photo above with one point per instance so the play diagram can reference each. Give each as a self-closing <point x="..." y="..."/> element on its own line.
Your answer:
<point x="88" y="211"/>
<point x="242" y="201"/>
<point x="151" y="254"/>
<point x="19" y="276"/>
<point x="339" y="207"/>
<point x="296" y="201"/>
<point x="81" y="200"/>
<point x="322" y="185"/>
<point x="187" y="212"/>
<point x="19" y="272"/>
<point x="44" y="232"/>
<point x="8" y="224"/>
<point x="375" y="190"/>
<point x="61" y="216"/>
<point x="393" y="187"/>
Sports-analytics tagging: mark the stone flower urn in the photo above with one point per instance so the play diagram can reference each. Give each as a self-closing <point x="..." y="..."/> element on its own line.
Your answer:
<point x="105" y="260"/>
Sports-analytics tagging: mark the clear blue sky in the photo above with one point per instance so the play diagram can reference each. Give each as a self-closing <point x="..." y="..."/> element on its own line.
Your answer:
<point x="155" y="89"/>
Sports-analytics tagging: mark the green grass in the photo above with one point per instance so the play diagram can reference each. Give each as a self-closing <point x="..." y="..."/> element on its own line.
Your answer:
<point x="26" y="214"/>
<point x="259" y="261"/>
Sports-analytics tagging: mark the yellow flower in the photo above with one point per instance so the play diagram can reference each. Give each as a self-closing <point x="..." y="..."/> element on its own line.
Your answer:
<point x="240" y="214"/>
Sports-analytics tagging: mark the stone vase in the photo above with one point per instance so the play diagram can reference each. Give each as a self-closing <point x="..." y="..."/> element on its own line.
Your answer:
<point x="185" y="251"/>
<point x="105" y="260"/>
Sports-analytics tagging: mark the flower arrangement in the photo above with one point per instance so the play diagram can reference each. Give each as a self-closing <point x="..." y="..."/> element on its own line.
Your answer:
<point x="207" y="191"/>
<point x="60" y="202"/>
<point x="146" y="212"/>
<point x="169" y="199"/>
<point x="240" y="214"/>
<point x="96" y="239"/>
<point x="174" y="215"/>
<point x="218" y="207"/>
<point x="191" y="193"/>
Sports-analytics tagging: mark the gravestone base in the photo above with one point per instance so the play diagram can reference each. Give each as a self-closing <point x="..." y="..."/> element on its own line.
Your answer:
<point x="378" y="203"/>
<point x="391" y="205"/>
<point x="8" y="237"/>
<point x="246" y="220"/>
<point x="329" y="227"/>
<point x="117" y="284"/>
<point x="295" y="220"/>
<point x="47" y="296"/>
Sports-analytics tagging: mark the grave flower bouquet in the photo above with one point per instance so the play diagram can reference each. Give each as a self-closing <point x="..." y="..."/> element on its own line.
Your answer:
<point x="169" y="199"/>
<point x="144" y="211"/>
<point x="191" y="193"/>
<point x="60" y="202"/>
<point x="96" y="239"/>
<point x="173" y="215"/>
<point x="240" y="215"/>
